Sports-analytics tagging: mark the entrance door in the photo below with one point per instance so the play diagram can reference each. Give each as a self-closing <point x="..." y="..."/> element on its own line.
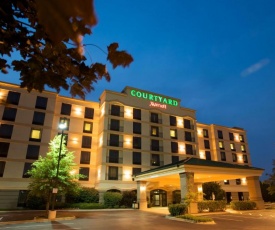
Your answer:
<point x="158" y="198"/>
<point x="228" y="197"/>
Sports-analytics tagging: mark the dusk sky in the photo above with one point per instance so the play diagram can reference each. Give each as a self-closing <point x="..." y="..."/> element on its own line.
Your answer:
<point x="217" y="56"/>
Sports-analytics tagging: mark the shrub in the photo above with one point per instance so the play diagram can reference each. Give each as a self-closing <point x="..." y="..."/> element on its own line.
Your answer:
<point x="35" y="202"/>
<point x="112" y="199"/>
<point x="85" y="195"/>
<point x="212" y="205"/>
<point x="196" y="219"/>
<point x="177" y="209"/>
<point x="128" y="197"/>
<point x="86" y="206"/>
<point x="242" y="205"/>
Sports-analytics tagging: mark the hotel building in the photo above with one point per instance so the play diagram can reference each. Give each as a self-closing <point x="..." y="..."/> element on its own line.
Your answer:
<point x="117" y="140"/>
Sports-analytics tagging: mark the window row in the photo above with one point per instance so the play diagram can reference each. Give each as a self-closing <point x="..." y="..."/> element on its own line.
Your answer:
<point x="231" y="136"/>
<point x="232" y="146"/>
<point x="66" y="109"/>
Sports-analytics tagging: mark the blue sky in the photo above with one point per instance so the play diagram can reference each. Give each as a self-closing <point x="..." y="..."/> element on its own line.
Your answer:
<point x="217" y="56"/>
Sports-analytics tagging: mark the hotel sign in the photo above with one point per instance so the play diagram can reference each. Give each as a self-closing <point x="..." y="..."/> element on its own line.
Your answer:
<point x="155" y="100"/>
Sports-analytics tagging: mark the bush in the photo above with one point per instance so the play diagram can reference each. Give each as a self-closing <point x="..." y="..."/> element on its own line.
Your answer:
<point x="196" y="219"/>
<point x="85" y="195"/>
<point x="177" y="209"/>
<point x="212" y="205"/>
<point x="242" y="205"/>
<point x="35" y="202"/>
<point x="128" y="198"/>
<point x="112" y="199"/>
<point x="86" y="206"/>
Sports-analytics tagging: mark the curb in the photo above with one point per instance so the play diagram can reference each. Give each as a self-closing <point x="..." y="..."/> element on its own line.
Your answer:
<point x="37" y="220"/>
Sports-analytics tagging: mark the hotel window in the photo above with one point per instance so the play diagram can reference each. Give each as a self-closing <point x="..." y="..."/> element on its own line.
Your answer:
<point x="205" y="133"/>
<point x="87" y="127"/>
<point x="89" y="113"/>
<point x="137" y="114"/>
<point x="187" y="124"/>
<point x="27" y="167"/>
<point x="208" y="155"/>
<point x="189" y="149"/>
<point x="2" y="168"/>
<point x="154" y="118"/>
<point x="231" y="136"/>
<point x="154" y="131"/>
<point x="114" y="124"/>
<point x="41" y="102"/>
<point x="113" y="173"/>
<point x="85" y="157"/>
<point x="243" y="148"/>
<point x="115" y="110"/>
<point x="234" y="157"/>
<point x="206" y="144"/>
<point x="238" y="181"/>
<point x="155" y="160"/>
<point x="174" y="147"/>
<point x="114" y="140"/>
<point x="4" y="149"/>
<point x="232" y="147"/>
<point x="221" y="146"/>
<point x="241" y="137"/>
<point x="137" y="158"/>
<point x="13" y="98"/>
<point x="9" y="114"/>
<point x="137" y="142"/>
<point x="33" y="152"/>
<point x="86" y="142"/>
<point x="220" y="134"/>
<point x="245" y="160"/>
<point x="173" y="121"/>
<point x="226" y="181"/>
<point x="35" y="135"/>
<point x="173" y="133"/>
<point x="66" y="121"/>
<point x="66" y="109"/>
<point x="113" y="156"/>
<point x="38" y="118"/>
<point x="85" y="172"/>
<point x="155" y="145"/>
<point x="175" y="159"/>
<point x="223" y="156"/>
<point x="136" y="127"/>
<point x="136" y="171"/>
<point x="188" y="136"/>
<point x="6" y="131"/>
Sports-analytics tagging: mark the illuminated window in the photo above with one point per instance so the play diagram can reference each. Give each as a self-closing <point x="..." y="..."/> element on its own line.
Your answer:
<point x="232" y="146"/>
<point x="173" y="133"/>
<point x="226" y="181"/>
<point x="205" y="133"/>
<point x="35" y="135"/>
<point x="65" y="121"/>
<point x="220" y="134"/>
<point x="241" y="137"/>
<point x="154" y="131"/>
<point x="221" y="146"/>
<point x="88" y="127"/>
<point x="243" y="148"/>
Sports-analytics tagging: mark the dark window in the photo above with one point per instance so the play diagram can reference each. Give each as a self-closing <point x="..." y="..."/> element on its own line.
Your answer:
<point x="66" y="109"/>
<point x="137" y="158"/>
<point x="205" y="133"/>
<point x="188" y="136"/>
<point x="27" y="167"/>
<point x="226" y="181"/>
<point x="245" y="160"/>
<point x="136" y="171"/>
<point x="114" y="140"/>
<point x="41" y="102"/>
<point x="113" y="173"/>
<point x="189" y="149"/>
<point x="137" y="114"/>
<point x="154" y="118"/>
<point x="223" y="156"/>
<point x="38" y="118"/>
<point x="175" y="159"/>
<point x="136" y="142"/>
<point x="33" y="152"/>
<point x="155" y="145"/>
<point x="113" y="156"/>
<point x="234" y="157"/>
<point x="136" y="127"/>
<point x="206" y="144"/>
<point x="22" y="198"/>
<point x="187" y="124"/>
<point x="4" y="149"/>
<point x="220" y="134"/>
<point x="35" y="135"/>
<point x="174" y="147"/>
<point x="9" y="114"/>
<point x="85" y="172"/>
<point x="173" y="121"/>
<point x="241" y="137"/>
<point x="85" y="157"/>
<point x="86" y="142"/>
<point x="13" y="98"/>
<point x="231" y="136"/>
<point x="2" y="168"/>
<point x="6" y="131"/>
<point x="115" y="110"/>
<point x="89" y="113"/>
<point x="87" y="127"/>
<point x="238" y="181"/>
<point x="155" y="160"/>
<point x="208" y="155"/>
<point x="114" y="124"/>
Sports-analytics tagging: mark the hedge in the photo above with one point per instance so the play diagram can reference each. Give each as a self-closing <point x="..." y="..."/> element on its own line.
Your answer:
<point x="242" y="205"/>
<point x="196" y="219"/>
<point x="112" y="199"/>
<point x="212" y="205"/>
<point x="177" y="209"/>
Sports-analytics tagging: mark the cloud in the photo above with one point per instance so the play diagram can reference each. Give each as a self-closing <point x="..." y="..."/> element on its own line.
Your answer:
<point x="255" y="67"/>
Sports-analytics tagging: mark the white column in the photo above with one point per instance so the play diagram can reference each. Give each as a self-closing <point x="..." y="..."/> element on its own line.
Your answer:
<point x="254" y="190"/>
<point x="141" y="195"/>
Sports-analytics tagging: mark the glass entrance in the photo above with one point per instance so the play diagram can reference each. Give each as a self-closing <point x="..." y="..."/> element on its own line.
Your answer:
<point x="158" y="198"/>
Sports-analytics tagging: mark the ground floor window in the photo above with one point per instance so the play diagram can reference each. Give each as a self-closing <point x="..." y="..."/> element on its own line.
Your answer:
<point x="158" y="198"/>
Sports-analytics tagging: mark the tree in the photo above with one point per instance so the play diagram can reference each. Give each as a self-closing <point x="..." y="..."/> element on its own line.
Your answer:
<point x="44" y="171"/>
<point x="271" y="180"/>
<point x="47" y="57"/>
<point x="211" y="188"/>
